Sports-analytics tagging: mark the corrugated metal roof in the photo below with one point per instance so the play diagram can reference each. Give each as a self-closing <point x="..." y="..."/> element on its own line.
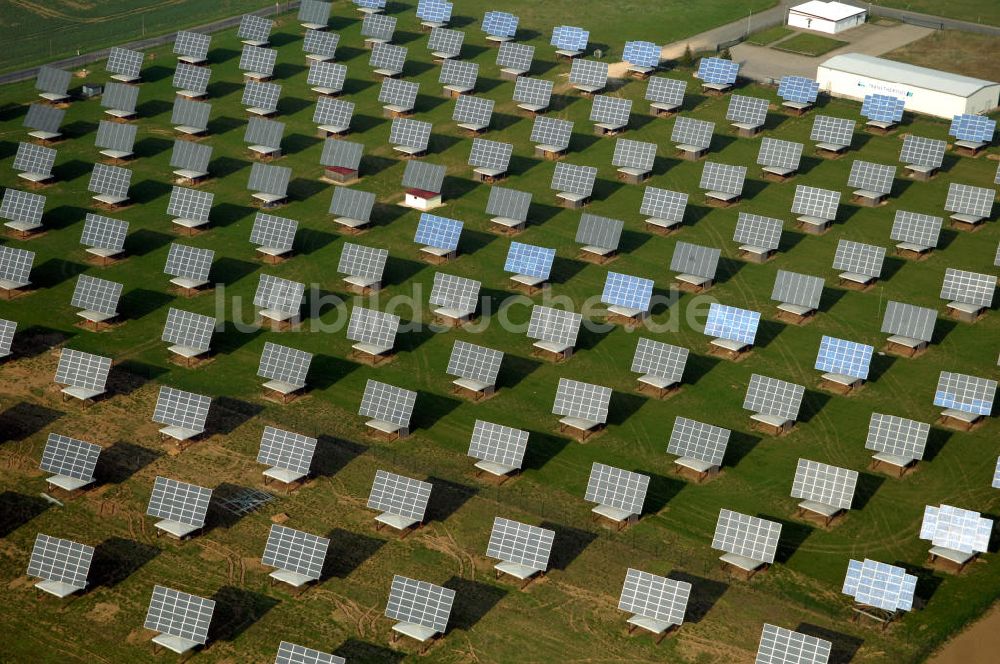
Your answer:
<point x="831" y="11"/>
<point x="907" y="74"/>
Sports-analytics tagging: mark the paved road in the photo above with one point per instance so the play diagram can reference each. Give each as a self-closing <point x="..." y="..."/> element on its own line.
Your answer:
<point x="709" y="39"/>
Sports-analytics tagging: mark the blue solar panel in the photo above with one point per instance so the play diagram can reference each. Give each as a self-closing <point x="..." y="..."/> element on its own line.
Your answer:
<point x="570" y="38"/>
<point x="968" y="394"/>
<point x="882" y="108"/>
<point x="439" y="232"/>
<point x="725" y="322"/>
<point x="717" y="70"/>
<point x="370" y="4"/>
<point x="798" y="88"/>
<point x="843" y="357"/>
<point x="438" y="11"/>
<point x="499" y="24"/>
<point x="880" y="585"/>
<point x="529" y="260"/>
<point x="970" y="127"/>
<point x="641" y="53"/>
<point x="627" y="291"/>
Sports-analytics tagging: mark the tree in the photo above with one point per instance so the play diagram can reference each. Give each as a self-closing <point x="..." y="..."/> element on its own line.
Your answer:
<point x="687" y="58"/>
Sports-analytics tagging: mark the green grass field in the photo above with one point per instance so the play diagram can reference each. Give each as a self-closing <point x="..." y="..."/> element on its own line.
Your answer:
<point x="976" y="11"/>
<point x="571" y="614"/>
<point x="769" y="35"/>
<point x="811" y="45"/>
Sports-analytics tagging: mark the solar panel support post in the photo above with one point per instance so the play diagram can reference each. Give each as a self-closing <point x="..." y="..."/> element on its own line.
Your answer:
<point x="771" y="426"/>
<point x="795" y="108"/>
<point x="920" y="173"/>
<point x="880" y="128"/>
<point x="578" y="429"/>
<point x="957" y="420"/>
<point x="964" y="313"/>
<point x="572" y="201"/>
<point x="691" y="152"/>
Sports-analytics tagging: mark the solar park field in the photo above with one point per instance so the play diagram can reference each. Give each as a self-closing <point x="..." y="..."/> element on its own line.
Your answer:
<point x="571" y="614"/>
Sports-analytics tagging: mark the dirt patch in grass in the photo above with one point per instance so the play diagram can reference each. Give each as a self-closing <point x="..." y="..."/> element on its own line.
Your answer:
<point x="959" y="52"/>
<point x="812" y="45"/>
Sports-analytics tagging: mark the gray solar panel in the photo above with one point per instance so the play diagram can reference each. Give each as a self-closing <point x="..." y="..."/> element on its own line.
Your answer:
<point x="779" y="154"/>
<point x="192" y="44"/>
<point x="498" y="444"/>
<point x="269" y="179"/>
<point x="783" y="646"/>
<point x="515" y="542"/>
<point x="697" y="440"/>
<point x="295" y="551"/>
<point x="583" y="400"/>
<point x="921" y="151"/>
<point x="723" y="177"/>
<point x="116" y="136"/>
<point x="124" y="62"/>
<point x="333" y="112"/>
<point x="968" y="394"/>
<point x="187" y="203"/>
<point x="968" y="287"/>
<point x="179" y="501"/>
<point x="399" y="495"/>
<point x="190" y="77"/>
<point x="770" y="396"/>
<point x="267" y="133"/>
<point x="964" y="199"/>
<point x="281" y="363"/>
<point x="369" y="326"/>
<point x="654" y="597"/>
<point x="474" y="362"/>
<point x="378" y="26"/>
<point x="292" y="653"/>
<point x="423" y="176"/>
<point x="120" y="97"/>
<point x="280" y="294"/>
<point x="897" y="436"/>
<point x="663" y="204"/>
<point x="22" y="206"/>
<point x="876" y="178"/>
<point x="83" y="370"/>
<point x="188" y="262"/>
<point x="490" y="154"/>
<point x="915" y="228"/>
<point x="179" y="614"/>
<point x="532" y="91"/>
<point x="321" y="43"/>
<point x="746" y="536"/>
<point x="660" y="359"/>
<point x="31" y="158"/>
<point x="98" y="295"/>
<point x="956" y="529"/>
<point x="44" y="118"/>
<point x="599" y="231"/>
<point x="388" y="57"/>
<point x="473" y="110"/>
<point x="274" y="232"/>
<point x="398" y="93"/>
<point x="751" y="111"/>
<point x="287" y="450"/>
<point x="261" y="95"/>
<point x="815" y="202"/>
<point x="55" y="559"/>
<point x="589" y="73"/>
<point x="517" y="57"/>
<point x="554" y="325"/>
<point x="612" y="486"/>
<point x="669" y="91"/>
<point x="185" y="328"/>
<point x="859" y="258"/>
<point x="414" y="134"/>
<point x="187" y="113"/>
<point x="7" y="329"/>
<point x="574" y="179"/>
<point x="256" y="28"/>
<point x="453" y="292"/>
<point x="610" y="110"/>
<point x="328" y="75"/>
<point x="835" y="131"/>
<point x="181" y="409"/>
<point x="695" y="259"/>
<point x="459" y="74"/>
<point x="634" y="154"/>
<point x="445" y="41"/>
<point x="352" y="203"/>
<point x="258" y="60"/>
<point x="823" y="483"/>
<point x="55" y="81"/>
<point x="552" y="132"/>
<point x="909" y="321"/>
<point x="420" y="602"/>
<point x="508" y="203"/>
<point x="757" y="231"/>
<point x="15" y="264"/>
<point x="880" y="585"/>
<point x="314" y="11"/>
<point x="689" y="131"/>
<point x="70" y="457"/>
<point x="109" y="180"/>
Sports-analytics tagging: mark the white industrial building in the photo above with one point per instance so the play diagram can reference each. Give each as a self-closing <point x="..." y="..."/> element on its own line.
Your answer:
<point x="938" y="93"/>
<point x="828" y="17"/>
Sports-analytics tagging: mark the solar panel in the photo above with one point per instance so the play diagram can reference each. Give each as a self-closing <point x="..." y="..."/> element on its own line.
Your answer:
<point x="880" y="585"/>
<point x="844" y="357"/>
<point x="871" y="177"/>
<point x="185" y="328"/>
<point x="909" y="321"/>
<point x="538" y="92"/>
<point x="53" y="80"/>
<point x="420" y="603"/>
<point x="286" y="450"/>
<point x="723" y="177"/>
<point x="697" y="440"/>
<point x="822" y="483"/>
<point x="589" y="73"/>
<point x="921" y="151"/>
<point x="610" y="110"/>
<point x="574" y="179"/>
<point x="473" y="110"/>
<point x="996" y="476"/>
<point x="187" y="113"/>
<point x="529" y="260"/>
<point x="109" y="180"/>
<point x="779" y="154"/>
<point x="798" y="89"/>
<point x="178" y="408"/>
<point x="335" y="112"/>
<point x="569" y="38"/>
<point x="257" y="94"/>
<point x="22" y="206"/>
<point x="439" y="232"/>
<point x="969" y="394"/>
<point x="124" y="62"/>
<point x="612" y="486"/>
<point x="964" y="199"/>
<point x="783" y="646"/>
<point x="882" y="108"/>
<point x="515" y="56"/>
<point x="695" y="259"/>
<point x="499" y="24"/>
<point x="663" y="204"/>
<point x="269" y="179"/>
<point x="292" y="653"/>
<point x="115" y="136"/>
<point x="641" y="54"/>
<point x="352" y="203"/>
<point x="654" y="597"/>
<point x="295" y="551"/>
<point x="70" y="457"/>
<point x="583" y="400"/>
<point x="490" y="154"/>
<point x="327" y="75"/>
<point x="188" y="262"/>
<point x="398" y="93"/>
<point x="746" y="536"/>
<point x="770" y="396"/>
<point x="371" y="4"/>
<point x="369" y="326"/>
<point x="718" y="71"/>
<point x="859" y="258"/>
<point x="968" y="287"/>
<point x="55" y="559"/>
<point x="459" y="74"/>
<point x="15" y="264"/>
<point x="634" y="154"/>
<point x="288" y="365"/>
<point x="551" y="131"/>
<point x="554" y="325"/>
<point x="192" y="44"/>
<point x="757" y="231"/>
<point x="897" y="436"/>
<point x="799" y="289"/>
<point x="599" y="231"/>
<point x="378" y="26"/>
<point x="414" y="134"/>
<point x="190" y="203"/>
<point x="815" y="202"/>
<point x="98" y="295"/>
<point x="747" y="110"/>
<point x="423" y="176"/>
<point x="474" y="362"/>
<point x="256" y="28"/>
<point x="280" y="294"/>
<point x="498" y="444"/>
<point x="121" y="97"/>
<point x="453" y="292"/>
<point x="916" y="228"/>
<point x="31" y="158"/>
<point x="659" y="359"/>
<point x="388" y="57"/>
<point x="515" y="542"/>
<point x="44" y="118"/>
<point x="669" y="91"/>
<point x="627" y="291"/>
<point x="179" y="614"/>
<point x="836" y="131"/>
<point x="443" y="40"/>
<point x="969" y="127"/>
<point x="179" y="501"/>
<point x="956" y="529"/>
<point x="437" y="11"/>
<point x="258" y="60"/>
<point x="191" y="77"/>
<point x="509" y="204"/>
<point x="275" y="232"/>
<point x="725" y="322"/>
<point x="7" y="329"/>
<point x="314" y="11"/>
<point x="397" y="494"/>
<point x="84" y="370"/>
<point x="267" y="133"/>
